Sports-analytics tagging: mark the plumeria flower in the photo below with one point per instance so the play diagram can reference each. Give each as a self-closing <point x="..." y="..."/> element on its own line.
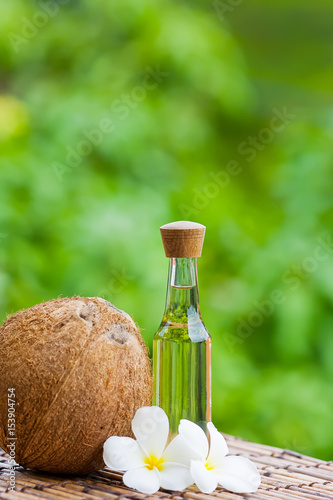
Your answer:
<point x="211" y="466"/>
<point x="147" y="462"/>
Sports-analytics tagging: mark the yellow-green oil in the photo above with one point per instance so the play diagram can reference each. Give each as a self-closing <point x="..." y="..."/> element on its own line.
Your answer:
<point x="182" y="359"/>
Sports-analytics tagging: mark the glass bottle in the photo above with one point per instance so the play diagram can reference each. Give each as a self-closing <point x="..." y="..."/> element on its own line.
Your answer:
<point x="182" y="344"/>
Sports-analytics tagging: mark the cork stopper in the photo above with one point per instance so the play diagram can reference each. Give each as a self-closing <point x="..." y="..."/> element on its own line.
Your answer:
<point x="183" y="239"/>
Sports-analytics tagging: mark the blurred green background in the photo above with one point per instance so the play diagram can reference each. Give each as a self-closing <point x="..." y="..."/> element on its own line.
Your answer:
<point x="118" y="117"/>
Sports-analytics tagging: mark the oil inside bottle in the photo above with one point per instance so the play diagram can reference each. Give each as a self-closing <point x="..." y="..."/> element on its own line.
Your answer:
<point x="182" y="351"/>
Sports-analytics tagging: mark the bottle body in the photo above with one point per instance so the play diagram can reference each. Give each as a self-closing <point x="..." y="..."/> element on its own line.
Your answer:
<point x="182" y="351"/>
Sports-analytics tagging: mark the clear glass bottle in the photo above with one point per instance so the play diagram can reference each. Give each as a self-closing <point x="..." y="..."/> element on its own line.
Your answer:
<point x="182" y="344"/>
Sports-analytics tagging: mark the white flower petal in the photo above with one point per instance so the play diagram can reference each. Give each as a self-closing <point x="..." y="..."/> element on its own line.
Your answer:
<point x="205" y="479"/>
<point x="195" y="438"/>
<point x="238" y="474"/>
<point x="178" y="451"/>
<point x="218" y="447"/>
<point x="175" y="477"/>
<point x="151" y="428"/>
<point x="122" y="453"/>
<point x="142" y="479"/>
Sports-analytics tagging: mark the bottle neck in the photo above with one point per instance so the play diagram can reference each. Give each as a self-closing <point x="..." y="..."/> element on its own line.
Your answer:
<point x="182" y="303"/>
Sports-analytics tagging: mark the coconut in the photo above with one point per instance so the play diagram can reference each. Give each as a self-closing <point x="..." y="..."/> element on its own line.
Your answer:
<point x="80" y="370"/>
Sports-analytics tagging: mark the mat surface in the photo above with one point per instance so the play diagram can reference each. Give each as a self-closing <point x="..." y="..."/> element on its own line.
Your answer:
<point x="284" y="474"/>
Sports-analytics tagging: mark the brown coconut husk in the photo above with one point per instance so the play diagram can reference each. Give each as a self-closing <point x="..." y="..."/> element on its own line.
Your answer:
<point x="80" y="370"/>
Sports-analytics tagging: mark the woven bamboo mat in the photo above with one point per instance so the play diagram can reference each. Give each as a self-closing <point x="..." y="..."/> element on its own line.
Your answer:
<point x="285" y="475"/>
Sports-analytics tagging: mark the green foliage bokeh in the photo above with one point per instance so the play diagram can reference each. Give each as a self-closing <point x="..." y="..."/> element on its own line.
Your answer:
<point x="236" y="134"/>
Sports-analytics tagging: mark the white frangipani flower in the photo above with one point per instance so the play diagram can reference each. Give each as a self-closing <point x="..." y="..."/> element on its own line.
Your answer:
<point x="148" y="463"/>
<point x="211" y="466"/>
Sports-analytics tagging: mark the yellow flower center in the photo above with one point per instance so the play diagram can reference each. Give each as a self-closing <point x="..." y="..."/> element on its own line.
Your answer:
<point x="208" y="467"/>
<point x="152" y="462"/>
